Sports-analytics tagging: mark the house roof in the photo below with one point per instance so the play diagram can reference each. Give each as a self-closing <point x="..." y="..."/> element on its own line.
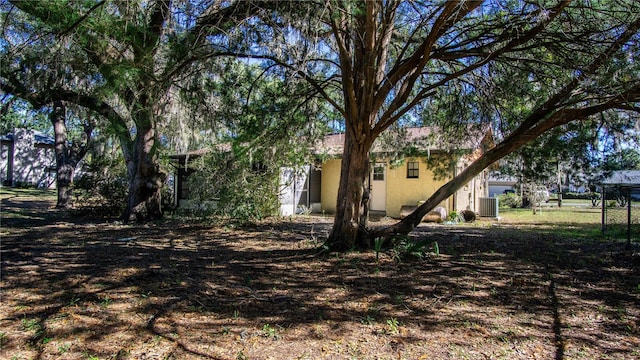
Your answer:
<point x="182" y="157"/>
<point x="424" y="138"/>
<point x="39" y="138"/>
<point x="496" y="178"/>
<point x="623" y="178"/>
<point x="194" y="153"/>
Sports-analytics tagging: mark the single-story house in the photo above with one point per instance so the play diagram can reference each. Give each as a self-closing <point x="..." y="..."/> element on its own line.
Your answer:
<point x="393" y="183"/>
<point x="27" y="158"/>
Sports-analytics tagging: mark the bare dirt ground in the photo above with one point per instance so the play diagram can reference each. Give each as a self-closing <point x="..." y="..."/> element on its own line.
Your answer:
<point x="79" y="289"/>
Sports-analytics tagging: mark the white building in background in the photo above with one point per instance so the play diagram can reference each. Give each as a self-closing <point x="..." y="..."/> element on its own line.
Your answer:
<point x="27" y="158"/>
<point x="499" y="184"/>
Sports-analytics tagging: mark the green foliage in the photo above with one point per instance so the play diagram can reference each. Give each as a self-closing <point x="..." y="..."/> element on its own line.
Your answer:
<point x="16" y="113"/>
<point x="623" y="159"/>
<point x="454" y="217"/>
<point x="406" y="248"/>
<point x="377" y="246"/>
<point x="267" y="127"/>
<point x="393" y="326"/>
<point x="102" y="188"/>
<point x="566" y="195"/>
<point x="367" y="320"/>
<point x="269" y="332"/>
<point x="242" y="189"/>
<point x="509" y="200"/>
<point x="595" y="198"/>
<point x="31" y="325"/>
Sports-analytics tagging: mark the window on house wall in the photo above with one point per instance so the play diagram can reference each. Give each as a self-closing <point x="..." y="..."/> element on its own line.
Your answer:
<point x="413" y="170"/>
<point x="378" y="172"/>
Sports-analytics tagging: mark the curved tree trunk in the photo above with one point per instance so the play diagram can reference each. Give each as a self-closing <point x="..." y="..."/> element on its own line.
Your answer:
<point x="145" y="178"/>
<point x="412" y="220"/>
<point x="352" y="209"/>
<point x="534" y="126"/>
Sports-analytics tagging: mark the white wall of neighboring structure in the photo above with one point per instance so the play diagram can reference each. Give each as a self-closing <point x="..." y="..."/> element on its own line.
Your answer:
<point x="498" y="184"/>
<point x="27" y="162"/>
<point x="6" y="161"/>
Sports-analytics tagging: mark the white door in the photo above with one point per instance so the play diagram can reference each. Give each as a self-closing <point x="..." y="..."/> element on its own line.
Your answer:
<point x="379" y="187"/>
<point x="294" y="190"/>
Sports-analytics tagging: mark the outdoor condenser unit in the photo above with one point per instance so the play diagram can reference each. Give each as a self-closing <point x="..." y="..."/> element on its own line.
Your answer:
<point x="489" y="207"/>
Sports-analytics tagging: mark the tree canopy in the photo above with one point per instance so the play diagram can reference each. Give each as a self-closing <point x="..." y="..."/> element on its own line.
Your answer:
<point x="125" y="61"/>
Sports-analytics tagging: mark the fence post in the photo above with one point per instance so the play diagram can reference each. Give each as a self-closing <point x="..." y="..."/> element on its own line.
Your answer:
<point x="629" y="219"/>
<point x="602" y="201"/>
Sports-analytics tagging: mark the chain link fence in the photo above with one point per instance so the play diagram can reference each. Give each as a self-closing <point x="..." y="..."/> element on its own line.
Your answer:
<point x="621" y="213"/>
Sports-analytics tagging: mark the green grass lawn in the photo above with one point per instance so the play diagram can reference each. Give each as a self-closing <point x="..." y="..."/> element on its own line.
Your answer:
<point x="576" y="218"/>
<point x="552" y="215"/>
<point x="33" y="193"/>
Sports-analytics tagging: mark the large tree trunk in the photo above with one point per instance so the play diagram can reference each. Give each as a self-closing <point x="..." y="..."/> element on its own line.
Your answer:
<point x="352" y="210"/>
<point x="67" y="156"/>
<point x="64" y="172"/>
<point x="145" y="178"/>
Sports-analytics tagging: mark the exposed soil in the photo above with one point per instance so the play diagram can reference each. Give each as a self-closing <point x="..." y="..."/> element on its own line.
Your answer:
<point x="76" y="289"/>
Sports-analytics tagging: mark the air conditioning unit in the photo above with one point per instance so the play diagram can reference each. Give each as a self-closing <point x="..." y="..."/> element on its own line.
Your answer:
<point x="489" y="207"/>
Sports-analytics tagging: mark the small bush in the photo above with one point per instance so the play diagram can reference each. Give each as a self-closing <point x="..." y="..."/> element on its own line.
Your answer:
<point x="567" y="195"/>
<point x="509" y="200"/>
<point x="242" y="189"/>
<point x="455" y="217"/>
<point x="102" y="189"/>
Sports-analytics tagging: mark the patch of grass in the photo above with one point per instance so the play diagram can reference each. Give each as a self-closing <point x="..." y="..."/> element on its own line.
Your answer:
<point x="74" y="301"/>
<point x="563" y="215"/>
<point x="64" y="348"/>
<point x="3" y="339"/>
<point x="90" y="356"/>
<point x="106" y="301"/>
<point x="31" y="325"/>
<point x="367" y="320"/>
<point x="393" y="326"/>
<point x="377" y="246"/>
<point x="269" y="331"/>
<point x="41" y="194"/>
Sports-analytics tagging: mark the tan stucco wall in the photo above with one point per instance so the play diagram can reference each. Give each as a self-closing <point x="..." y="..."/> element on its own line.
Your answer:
<point x="330" y="181"/>
<point x="402" y="191"/>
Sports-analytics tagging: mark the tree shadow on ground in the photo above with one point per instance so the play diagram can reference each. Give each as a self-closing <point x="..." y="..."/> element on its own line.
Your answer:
<point x="195" y="291"/>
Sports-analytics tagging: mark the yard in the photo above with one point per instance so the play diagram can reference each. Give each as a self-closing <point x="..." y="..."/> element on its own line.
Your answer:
<point x="548" y="286"/>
